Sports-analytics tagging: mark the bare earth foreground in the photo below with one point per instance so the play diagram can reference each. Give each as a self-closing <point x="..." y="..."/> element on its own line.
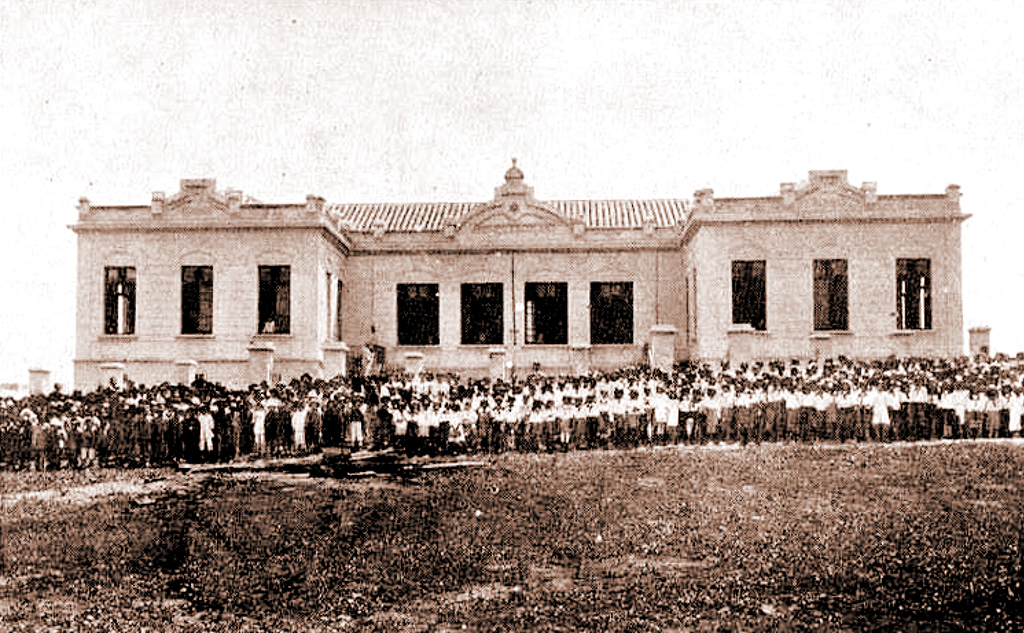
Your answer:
<point x="843" y="538"/>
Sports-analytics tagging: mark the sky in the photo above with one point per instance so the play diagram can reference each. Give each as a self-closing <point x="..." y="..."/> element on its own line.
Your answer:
<point x="429" y="101"/>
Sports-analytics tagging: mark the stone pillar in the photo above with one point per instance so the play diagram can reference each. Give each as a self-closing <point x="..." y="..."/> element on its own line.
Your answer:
<point x="39" y="381"/>
<point x="821" y="346"/>
<point x="663" y="347"/>
<point x="261" y="362"/>
<point x="497" y="363"/>
<point x="413" y="362"/>
<point x="740" y="346"/>
<point x="185" y="371"/>
<point x="579" y="359"/>
<point x="978" y="337"/>
<point x="788" y="192"/>
<point x="112" y="374"/>
<point x="335" y="360"/>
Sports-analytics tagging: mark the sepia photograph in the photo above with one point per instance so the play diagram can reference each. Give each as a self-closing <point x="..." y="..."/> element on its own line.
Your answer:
<point x="540" y="315"/>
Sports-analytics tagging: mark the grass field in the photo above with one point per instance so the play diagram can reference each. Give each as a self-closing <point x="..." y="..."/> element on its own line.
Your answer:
<point x="869" y="537"/>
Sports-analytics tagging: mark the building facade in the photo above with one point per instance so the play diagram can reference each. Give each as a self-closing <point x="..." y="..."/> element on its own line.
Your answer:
<point x="210" y="283"/>
<point x="824" y="270"/>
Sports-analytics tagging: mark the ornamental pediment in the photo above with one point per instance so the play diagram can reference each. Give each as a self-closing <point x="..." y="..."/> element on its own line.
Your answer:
<point x="512" y="214"/>
<point x="513" y="207"/>
<point x="198" y="198"/>
<point x="828" y="192"/>
<point x="830" y="200"/>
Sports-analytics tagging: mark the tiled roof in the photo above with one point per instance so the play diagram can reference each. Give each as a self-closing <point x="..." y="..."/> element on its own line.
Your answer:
<point x="431" y="216"/>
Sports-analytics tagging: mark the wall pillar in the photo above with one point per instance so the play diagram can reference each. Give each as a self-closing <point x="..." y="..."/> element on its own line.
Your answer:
<point x="112" y="374"/>
<point x="978" y="338"/>
<point x="413" y="362"/>
<point x="579" y="359"/>
<point x="261" y="362"/>
<point x="185" y="371"/>
<point x="497" y="363"/>
<point x="39" y="381"/>
<point x="821" y="346"/>
<point x="663" y="347"/>
<point x="335" y="360"/>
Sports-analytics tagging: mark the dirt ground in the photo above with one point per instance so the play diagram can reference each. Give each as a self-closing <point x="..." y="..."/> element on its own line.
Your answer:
<point x="842" y="538"/>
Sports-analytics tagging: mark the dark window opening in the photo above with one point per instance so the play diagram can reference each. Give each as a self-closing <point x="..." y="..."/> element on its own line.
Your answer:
<point x="831" y="303"/>
<point x="748" y="294"/>
<point x="547" y="313"/>
<point x="119" y="300"/>
<point x="482" y="314"/>
<point x="196" y="299"/>
<point x="611" y="313"/>
<point x="328" y="305"/>
<point x="418" y="314"/>
<point x="275" y="299"/>
<point x="338" y="335"/>
<point x="913" y="294"/>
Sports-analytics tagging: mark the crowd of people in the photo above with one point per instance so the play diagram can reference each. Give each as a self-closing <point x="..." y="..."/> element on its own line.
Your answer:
<point x="836" y="400"/>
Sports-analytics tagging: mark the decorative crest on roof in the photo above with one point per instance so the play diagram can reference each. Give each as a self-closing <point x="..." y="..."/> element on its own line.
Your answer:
<point x="514" y="186"/>
<point x="828" y="191"/>
<point x="513" y="206"/>
<point x="198" y="197"/>
<point x="514" y="173"/>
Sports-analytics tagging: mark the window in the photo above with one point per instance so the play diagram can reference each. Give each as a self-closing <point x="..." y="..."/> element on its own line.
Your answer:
<point x="547" y="312"/>
<point x="748" y="294"/>
<point x="275" y="299"/>
<point x="482" y="314"/>
<point x="328" y="298"/>
<point x="418" y="314"/>
<point x="692" y="308"/>
<point x="119" y="300"/>
<point x="611" y="313"/>
<point x="831" y="309"/>
<point x="913" y="294"/>
<point x="337" y="313"/>
<point x="196" y="299"/>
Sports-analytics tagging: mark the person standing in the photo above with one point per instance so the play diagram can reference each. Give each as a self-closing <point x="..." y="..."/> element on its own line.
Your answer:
<point x="259" y="429"/>
<point x="1015" y="406"/>
<point x="205" y="422"/>
<point x="354" y="423"/>
<point x="791" y="397"/>
<point x="992" y="406"/>
<point x="711" y="407"/>
<point x="879" y="402"/>
<point x="660" y="406"/>
<point x="37" y="443"/>
<point x="298" y="422"/>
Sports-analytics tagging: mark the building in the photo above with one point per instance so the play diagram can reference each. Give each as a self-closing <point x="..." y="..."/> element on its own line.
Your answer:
<point x="824" y="270"/>
<point x="210" y="283"/>
<point x="207" y="283"/>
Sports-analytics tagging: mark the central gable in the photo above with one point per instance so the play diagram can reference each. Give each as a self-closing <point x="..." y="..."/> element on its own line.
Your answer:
<point x="507" y="214"/>
<point x="198" y="198"/>
<point x="513" y="206"/>
<point x="827" y="193"/>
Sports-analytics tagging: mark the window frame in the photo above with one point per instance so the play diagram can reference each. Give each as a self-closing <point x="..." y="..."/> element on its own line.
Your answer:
<point x="553" y="298"/>
<point x="127" y="277"/>
<point x="194" y="289"/>
<point x="269" y="303"/>
<point x="909" y="270"/>
<point x="338" y="320"/>
<point x="750" y="281"/>
<point x="604" y="314"/>
<point x="831" y="295"/>
<point x="472" y="304"/>
<point x="428" y="296"/>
